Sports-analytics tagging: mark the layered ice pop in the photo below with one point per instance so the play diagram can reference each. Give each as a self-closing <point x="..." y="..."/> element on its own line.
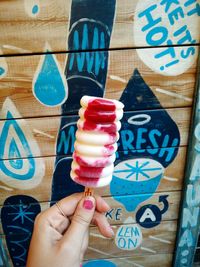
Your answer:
<point x="96" y="141"/>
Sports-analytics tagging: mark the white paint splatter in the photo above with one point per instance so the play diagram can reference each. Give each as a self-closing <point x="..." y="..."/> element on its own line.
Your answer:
<point x="139" y="119"/>
<point x="108" y="254"/>
<point x="43" y="133"/>
<point x="68" y="124"/>
<point x="12" y="47"/>
<point x="148" y="249"/>
<point x="6" y="188"/>
<point x="166" y="92"/>
<point x="97" y="235"/>
<point x="171" y="179"/>
<point x="160" y="239"/>
<point x="117" y="78"/>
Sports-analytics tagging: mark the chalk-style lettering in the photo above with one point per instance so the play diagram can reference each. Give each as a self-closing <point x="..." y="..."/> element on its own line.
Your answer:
<point x="127" y="138"/>
<point x="140" y="139"/>
<point x="189" y="51"/>
<point x="147" y="13"/>
<point x="160" y="32"/>
<point x="148" y="214"/>
<point x="193" y="195"/>
<point x="195" y="10"/>
<point x="168" y="4"/>
<point x="186" y="239"/>
<point x="176" y="14"/>
<point x="190" y="217"/>
<point x="169" y="51"/>
<point x="109" y="214"/>
<point x="66" y="142"/>
<point x="118" y="214"/>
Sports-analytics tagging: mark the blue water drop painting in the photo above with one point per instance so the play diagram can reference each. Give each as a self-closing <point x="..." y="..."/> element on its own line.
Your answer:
<point x="14" y="150"/>
<point x="18" y="166"/>
<point x="49" y="84"/>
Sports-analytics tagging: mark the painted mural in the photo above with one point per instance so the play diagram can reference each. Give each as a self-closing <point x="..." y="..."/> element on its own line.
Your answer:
<point x="148" y="143"/>
<point x="190" y="218"/>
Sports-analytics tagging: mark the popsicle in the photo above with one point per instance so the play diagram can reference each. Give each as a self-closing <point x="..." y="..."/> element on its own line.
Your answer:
<point x="96" y="141"/>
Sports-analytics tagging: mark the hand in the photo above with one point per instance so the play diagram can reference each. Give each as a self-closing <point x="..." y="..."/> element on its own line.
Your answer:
<point x="61" y="241"/>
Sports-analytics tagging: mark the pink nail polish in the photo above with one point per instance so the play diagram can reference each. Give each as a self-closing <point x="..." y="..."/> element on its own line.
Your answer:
<point x="88" y="204"/>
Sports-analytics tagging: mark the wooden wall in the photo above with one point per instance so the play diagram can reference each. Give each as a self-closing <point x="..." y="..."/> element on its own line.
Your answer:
<point x="143" y="53"/>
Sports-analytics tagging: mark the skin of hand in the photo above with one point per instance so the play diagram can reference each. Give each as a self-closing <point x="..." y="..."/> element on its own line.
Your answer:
<point x="61" y="241"/>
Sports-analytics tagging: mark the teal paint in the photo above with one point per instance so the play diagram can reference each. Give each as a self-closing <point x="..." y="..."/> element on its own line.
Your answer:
<point x="2" y="71"/>
<point x="49" y="87"/>
<point x="13" y="151"/>
<point x="35" y="9"/>
<point x="187" y="236"/>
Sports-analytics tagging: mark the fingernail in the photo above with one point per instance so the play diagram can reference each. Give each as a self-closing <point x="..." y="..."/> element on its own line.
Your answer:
<point x="88" y="204"/>
<point x="111" y="231"/>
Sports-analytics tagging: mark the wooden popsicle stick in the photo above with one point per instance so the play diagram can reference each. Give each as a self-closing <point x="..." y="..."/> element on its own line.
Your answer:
<point x="88" y="191"/>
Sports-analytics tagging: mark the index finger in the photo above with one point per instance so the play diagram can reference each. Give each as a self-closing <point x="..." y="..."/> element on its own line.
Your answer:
<point x="67" y="206"/>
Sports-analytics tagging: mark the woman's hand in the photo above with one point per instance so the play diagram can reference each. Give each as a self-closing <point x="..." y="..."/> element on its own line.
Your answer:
<point x="61" y="241"/>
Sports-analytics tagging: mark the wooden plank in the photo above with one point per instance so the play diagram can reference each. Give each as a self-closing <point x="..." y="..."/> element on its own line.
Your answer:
<point x="163" y="260"/>
<point x="171" y="181"/>
<point x="22" y="74"/>
<point x="39" y="134"/>
<point x="187" y="236"/>
<point x="49" y="22"/>
<point x="154" y="241"/>
<point x="120" y="215"/>
<point x="100" y="247"/>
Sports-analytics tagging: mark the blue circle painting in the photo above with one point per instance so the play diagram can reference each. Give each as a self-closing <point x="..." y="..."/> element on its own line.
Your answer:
<point x="99" y="263"/>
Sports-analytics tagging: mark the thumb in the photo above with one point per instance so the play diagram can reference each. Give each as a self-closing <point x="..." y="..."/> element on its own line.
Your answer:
<point x="80" y="221"/>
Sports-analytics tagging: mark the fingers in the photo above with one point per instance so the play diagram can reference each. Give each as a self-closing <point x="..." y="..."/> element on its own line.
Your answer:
<point x="58" y="217"/>
<point x="100" y="220"/>
<point x="80" y="222"/>
<point x="101" y="204"/>
<point x="103" y="225"/>
<point x="67" y="206"/>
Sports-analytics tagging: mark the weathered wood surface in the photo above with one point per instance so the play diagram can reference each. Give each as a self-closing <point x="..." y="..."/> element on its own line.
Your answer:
<point x="171" y="91"/>
<point x="163" y="260"/>
<point x="166" y="230"/>
<point x="25" y="32"/>
<point x="119" y="215"/>
<point x="171" y="181"/>
<point x="102" y="247"/>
